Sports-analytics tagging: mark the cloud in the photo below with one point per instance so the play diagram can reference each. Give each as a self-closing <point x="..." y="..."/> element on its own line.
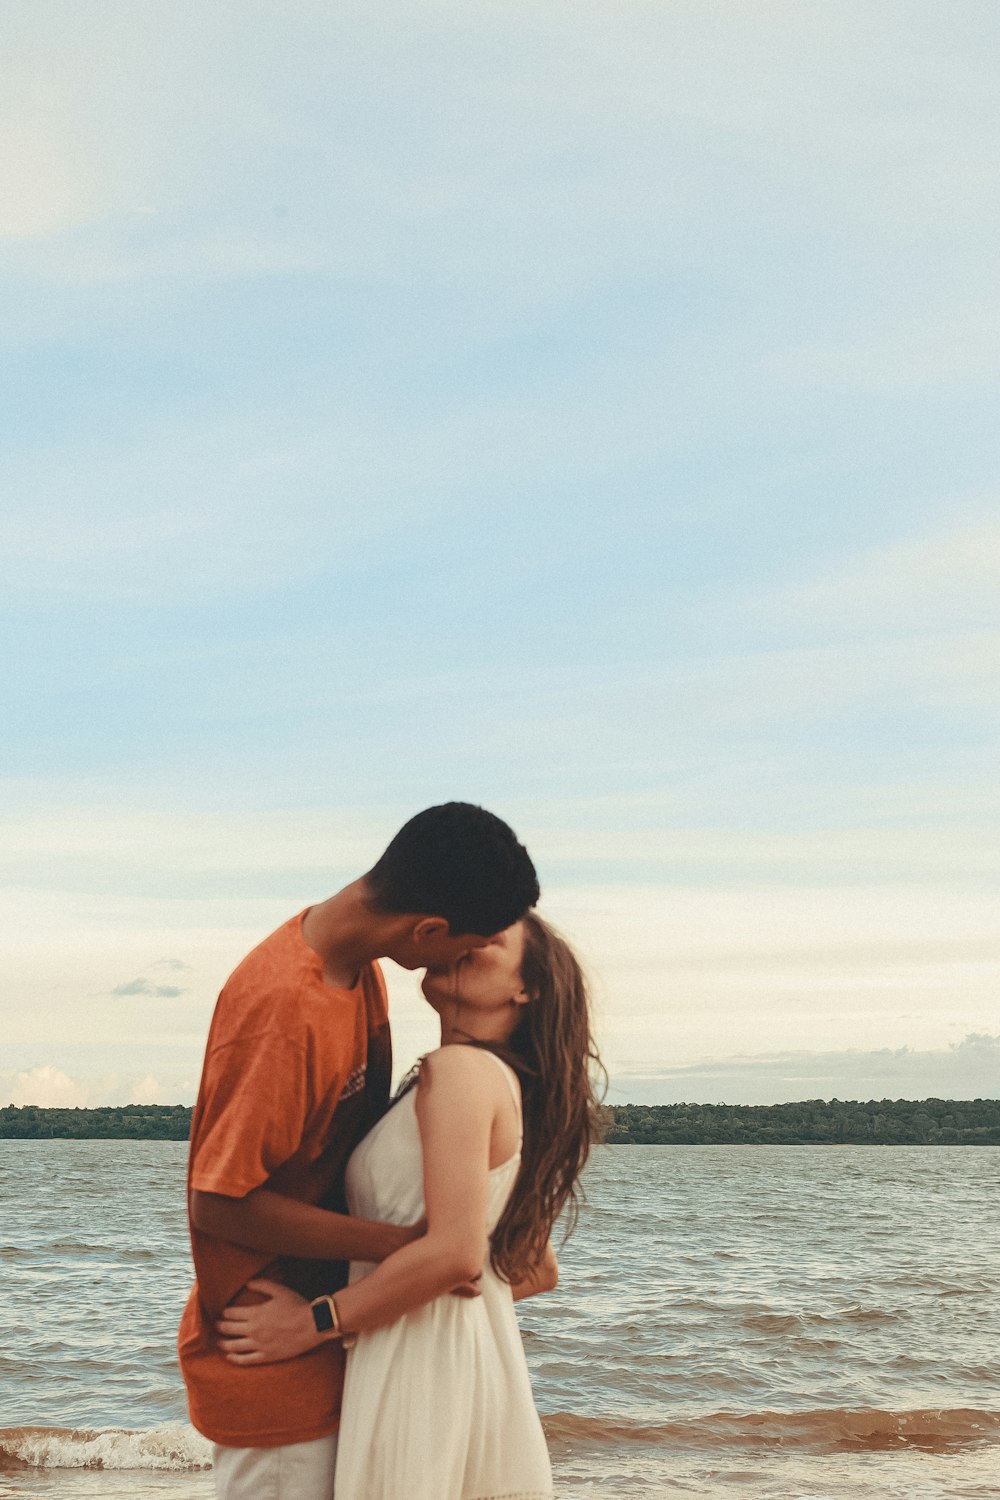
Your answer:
<point x="919" y="356"/>
<point x="148" y="1091"/>
<point x="208" y="256"/>
<point x="45" y="175"/>
<point x="948" y="577"/>
<point x="566" y="159"/>
<point x="969" y="1069"/>
<point x="48" y="1088"/>
<point x="358" y="472"/>
<point x="761" y="957"/>
<point x="909" y="628"/>
<point x="145" y="987"/>
<point x="185" y="841"/>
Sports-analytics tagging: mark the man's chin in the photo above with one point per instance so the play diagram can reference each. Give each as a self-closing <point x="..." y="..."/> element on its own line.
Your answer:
<point x="405" y="960"/>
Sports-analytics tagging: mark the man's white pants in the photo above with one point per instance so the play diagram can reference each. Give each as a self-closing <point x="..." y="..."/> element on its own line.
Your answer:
<point x="298" y="1471"/>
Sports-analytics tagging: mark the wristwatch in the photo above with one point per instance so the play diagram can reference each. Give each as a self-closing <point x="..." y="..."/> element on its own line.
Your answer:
<point x="324" y="1311"/>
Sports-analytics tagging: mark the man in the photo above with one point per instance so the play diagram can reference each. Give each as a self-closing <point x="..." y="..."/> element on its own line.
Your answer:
<point x="296" y="1070"/>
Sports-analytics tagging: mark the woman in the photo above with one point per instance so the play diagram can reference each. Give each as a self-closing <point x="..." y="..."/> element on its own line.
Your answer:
<point x="437" y="1403"/>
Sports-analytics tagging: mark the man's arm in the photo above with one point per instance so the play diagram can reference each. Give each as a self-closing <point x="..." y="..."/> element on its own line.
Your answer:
<point x="455" y="1122"/>
<point x="263" y="1220"/>
<point x="281" y="1325"/>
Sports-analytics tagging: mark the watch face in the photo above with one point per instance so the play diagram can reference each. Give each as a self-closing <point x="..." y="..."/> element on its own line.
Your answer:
<point x="322" y="1315"/>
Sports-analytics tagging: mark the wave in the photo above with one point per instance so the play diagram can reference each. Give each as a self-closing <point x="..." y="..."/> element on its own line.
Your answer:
<point x="175" y="1445"/>
<point x="827" y="1430"/>
<point x="770" y="1322"/>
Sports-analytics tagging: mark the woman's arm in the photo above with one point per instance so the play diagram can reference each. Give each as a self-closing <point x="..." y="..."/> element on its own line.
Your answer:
<point x="282" y="1327"/>
<point x="456" y="1105"/>
<point x="457" y="1101"/>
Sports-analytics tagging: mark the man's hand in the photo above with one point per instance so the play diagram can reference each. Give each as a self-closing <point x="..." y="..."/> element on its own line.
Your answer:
<point x="397" y="1235"/>
<point x="279" y="1328"/>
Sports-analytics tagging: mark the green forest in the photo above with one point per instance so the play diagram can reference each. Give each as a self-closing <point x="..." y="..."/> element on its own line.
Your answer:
<point x="879" y="1122"/>
<point x="130" y="1122"/>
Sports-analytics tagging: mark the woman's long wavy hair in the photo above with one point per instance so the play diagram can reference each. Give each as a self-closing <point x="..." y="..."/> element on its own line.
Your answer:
<point x="554" y="1055"/>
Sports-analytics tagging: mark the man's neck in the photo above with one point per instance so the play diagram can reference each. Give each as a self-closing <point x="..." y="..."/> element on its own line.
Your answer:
<point x="345" y="934"/>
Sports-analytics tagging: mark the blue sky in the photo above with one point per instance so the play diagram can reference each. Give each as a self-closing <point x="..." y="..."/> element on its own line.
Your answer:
<point x="587" y="410"/>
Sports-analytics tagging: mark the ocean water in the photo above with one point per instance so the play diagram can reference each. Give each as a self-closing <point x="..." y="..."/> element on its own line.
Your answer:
<point x="763" y="1323"/>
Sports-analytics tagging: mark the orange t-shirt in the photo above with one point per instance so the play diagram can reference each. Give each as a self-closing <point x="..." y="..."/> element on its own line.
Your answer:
<point x="296" y="1071"/>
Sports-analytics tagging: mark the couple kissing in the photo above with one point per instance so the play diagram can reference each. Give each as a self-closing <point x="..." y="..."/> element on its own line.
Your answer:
<point x="351" y="1332"/>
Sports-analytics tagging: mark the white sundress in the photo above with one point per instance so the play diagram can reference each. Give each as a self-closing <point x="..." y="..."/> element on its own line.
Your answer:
<point x="438" y="1405"/>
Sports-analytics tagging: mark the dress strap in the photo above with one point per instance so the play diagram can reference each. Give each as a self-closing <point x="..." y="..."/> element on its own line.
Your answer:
<point x="515" y="1091"/>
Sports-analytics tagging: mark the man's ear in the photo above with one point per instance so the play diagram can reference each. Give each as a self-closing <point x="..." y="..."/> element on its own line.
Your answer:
<point x="429" y="928"/>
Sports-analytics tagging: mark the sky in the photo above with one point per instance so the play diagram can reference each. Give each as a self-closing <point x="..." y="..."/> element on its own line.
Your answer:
<point x="587" y="410"/>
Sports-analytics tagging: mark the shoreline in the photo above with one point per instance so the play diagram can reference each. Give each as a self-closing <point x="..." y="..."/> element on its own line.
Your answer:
<point x="810" y="1122"/>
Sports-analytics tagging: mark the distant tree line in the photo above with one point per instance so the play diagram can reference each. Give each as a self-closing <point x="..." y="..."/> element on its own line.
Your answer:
<point x="879" y="1122"/>
<point x="834" y="1122"/>
<point x="130" y="1122"/>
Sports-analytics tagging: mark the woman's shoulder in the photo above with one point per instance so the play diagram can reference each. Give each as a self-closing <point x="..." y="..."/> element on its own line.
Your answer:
<point x="460" y="1062"/>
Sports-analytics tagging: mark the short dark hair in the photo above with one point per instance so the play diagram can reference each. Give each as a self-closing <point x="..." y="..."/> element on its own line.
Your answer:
<point x="459" y="862"/>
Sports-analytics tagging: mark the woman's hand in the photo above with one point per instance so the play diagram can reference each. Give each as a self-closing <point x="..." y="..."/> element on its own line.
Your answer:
<point x="277" y="1329"/>
<point x="543" y="1276"/>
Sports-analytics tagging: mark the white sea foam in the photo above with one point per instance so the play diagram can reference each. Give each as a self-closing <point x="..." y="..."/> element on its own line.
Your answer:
<point x="174" y="1445"/>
